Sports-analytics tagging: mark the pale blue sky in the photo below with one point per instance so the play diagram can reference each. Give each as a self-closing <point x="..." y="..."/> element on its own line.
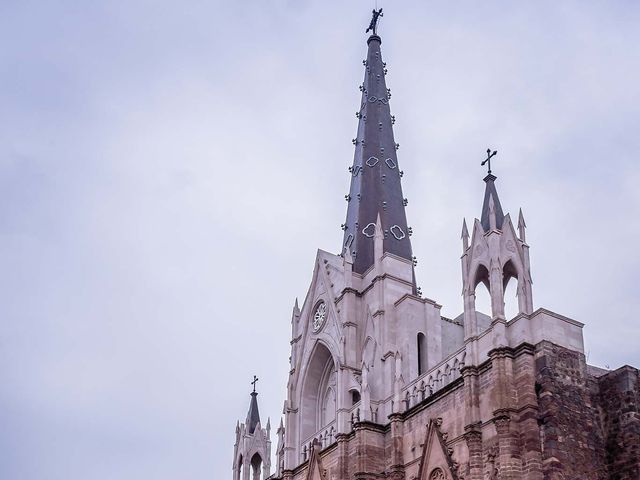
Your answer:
<point x="168" y="169"/>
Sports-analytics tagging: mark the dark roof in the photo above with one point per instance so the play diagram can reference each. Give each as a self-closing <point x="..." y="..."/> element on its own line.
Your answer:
<point x="490" y="191"/>
<point x="253" y="416"/>
<point x="375" y="175"/>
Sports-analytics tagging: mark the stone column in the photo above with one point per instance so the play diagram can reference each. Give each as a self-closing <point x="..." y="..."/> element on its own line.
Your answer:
<point x="343" y="455"/>
<point x="496" y="290"/>
<point x="396" y="468"/>
<point x="291" y="458"/>
<point x="470" y="318"/>
<point x="471" y="395"/>
<point x="528" y="413"/>
<point x="473" y="432"/>
<point x="473" y="437"/>
<point x="510" y="466"/>
<point x="246" y="469"/>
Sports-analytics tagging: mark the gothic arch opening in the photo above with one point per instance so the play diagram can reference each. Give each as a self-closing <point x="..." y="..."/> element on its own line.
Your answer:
<point x="510" y="289"/>
<point x="319" y="394"/>
<point x="422" y="353"/>
<point x="240" y="461"/>
<point x="482" y="295"/>
<point x="256" y="467"/>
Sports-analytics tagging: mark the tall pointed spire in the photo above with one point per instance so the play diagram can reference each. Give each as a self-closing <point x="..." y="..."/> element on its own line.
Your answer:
<point x="375" y="184"/>
<point x="491" y="205"/>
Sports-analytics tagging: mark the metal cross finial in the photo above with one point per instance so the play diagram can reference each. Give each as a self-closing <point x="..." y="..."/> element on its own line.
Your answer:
<point x="374" y="21"/>
<point x="255" y="380"/>
<point x="488" y="160"/>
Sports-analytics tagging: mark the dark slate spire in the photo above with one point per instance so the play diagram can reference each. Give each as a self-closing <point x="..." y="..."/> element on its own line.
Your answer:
<point x="375" y="174"/>
<point x="490" y="194"/>
<point x="253" y="416"/>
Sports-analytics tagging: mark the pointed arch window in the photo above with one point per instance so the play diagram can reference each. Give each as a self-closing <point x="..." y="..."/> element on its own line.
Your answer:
<point x="318" y="402"/>
<point x="422" y="353"/>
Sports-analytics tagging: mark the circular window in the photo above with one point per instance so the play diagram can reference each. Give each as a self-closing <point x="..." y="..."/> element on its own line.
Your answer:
<point x="319" y="316"/>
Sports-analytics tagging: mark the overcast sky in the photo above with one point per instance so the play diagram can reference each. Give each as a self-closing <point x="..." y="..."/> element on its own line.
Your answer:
<point x="168" y="170"/>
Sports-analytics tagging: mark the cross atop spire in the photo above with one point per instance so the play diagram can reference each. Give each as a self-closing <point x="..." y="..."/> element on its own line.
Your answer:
<point x="376" y="191"/>
<point x="374" y="21"/>
<point x="488" y="159"/>
<point x="253" y="415"/>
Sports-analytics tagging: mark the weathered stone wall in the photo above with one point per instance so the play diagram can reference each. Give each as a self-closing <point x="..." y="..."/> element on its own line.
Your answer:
<point x="570" y="429"/>
<point x="620" y="406"/>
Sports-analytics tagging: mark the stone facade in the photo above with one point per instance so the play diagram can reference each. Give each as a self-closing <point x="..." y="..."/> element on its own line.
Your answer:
<point x="382" y="386"/>
<point x="543" y="416"/>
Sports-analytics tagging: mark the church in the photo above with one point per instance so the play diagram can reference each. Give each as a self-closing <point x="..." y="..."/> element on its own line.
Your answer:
<point x="382" y="386"/>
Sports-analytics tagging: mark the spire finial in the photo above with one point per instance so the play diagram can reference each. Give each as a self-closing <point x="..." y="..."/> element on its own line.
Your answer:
<point x="488" y="159"/>
<point x="255" y="380"/>
<point x="376" y="14"/>
<point x="465" y="236"/>
<point x="521" y="227"/>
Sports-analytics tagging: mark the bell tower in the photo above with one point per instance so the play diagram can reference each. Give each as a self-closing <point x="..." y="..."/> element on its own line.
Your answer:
<point x="252" y="449"/>
<point x="495" y="256"/>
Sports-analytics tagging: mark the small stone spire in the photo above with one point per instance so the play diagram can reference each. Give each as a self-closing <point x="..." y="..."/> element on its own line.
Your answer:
<point x="253" y="415"/>
<point x="465" y="236"/>
<point x="376" y="189"/>
<point x="252" y="452"/>
<point x="491" y="205"/>
<point x="521" y="227"/>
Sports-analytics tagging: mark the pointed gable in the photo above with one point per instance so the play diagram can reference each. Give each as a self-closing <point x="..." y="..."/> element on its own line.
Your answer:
<point x="436" y="462"/>
<point x="315" y="470"/>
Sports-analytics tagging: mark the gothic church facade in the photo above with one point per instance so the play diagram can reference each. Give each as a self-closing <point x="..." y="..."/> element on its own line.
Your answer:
<point x="381" y="385"/>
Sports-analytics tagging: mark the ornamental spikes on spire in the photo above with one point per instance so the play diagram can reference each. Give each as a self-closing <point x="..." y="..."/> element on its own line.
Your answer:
<point x="376" y="189"/>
